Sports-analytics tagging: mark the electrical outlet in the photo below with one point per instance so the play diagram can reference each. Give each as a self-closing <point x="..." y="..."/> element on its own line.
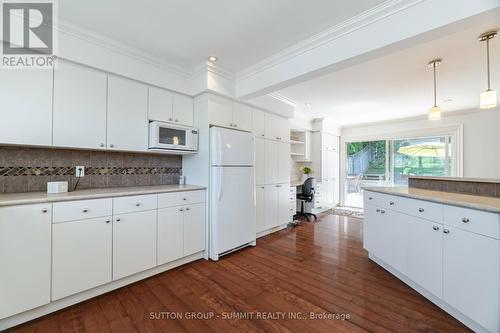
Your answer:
<point x="79" y="171"/>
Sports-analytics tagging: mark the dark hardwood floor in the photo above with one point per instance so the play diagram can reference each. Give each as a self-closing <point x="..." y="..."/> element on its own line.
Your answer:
<point x="313" y="271"/>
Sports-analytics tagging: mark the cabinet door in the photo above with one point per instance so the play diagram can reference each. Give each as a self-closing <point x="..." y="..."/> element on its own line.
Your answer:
<point x="170" y="234"/>
<point x="242" y="117"/>
<point x="371" y="228"/>
<point x="220" y="111"/>
<point x="270" y="206"/>
<point x="471" y="275"/>
<point x="284" y="129"/>
<point x="160" y="104"/>
<point x="260" y="161"/>
<point x="283" y="162"/>
<point x="26" y="111"/>
<point x="194" y="229"/>
<point x="183" y="110"/>
<point x="272" y="128"/>
<point x="260" y="214"/>
<point x="81" y="256"/>
<point x="25" y="233"/>
<point x="134" y="243"/>
<point x="283" y="204"/>
<point x="259" y="123"/>
<point x="424" y="254"/>
<point x="271" y="162"/>
<point x="127" y="115"/>
<point x="392" y="245"/>
<point x="79" y="107"/>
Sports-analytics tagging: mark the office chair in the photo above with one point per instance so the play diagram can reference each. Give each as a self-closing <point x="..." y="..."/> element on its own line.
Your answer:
<point x="307" y="195"/>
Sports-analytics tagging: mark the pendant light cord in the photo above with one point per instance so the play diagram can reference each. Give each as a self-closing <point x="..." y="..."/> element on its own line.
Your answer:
<point x="488" y="61"/>
<point x="435" y="89"/>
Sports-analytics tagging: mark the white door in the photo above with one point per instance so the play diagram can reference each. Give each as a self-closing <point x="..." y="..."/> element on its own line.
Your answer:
<point x="271" y="161"/>
<point x="424" y="254"/>
<point x="283" y="204"/>
<point x="283" y="162"/>
<point x="260" y="213"/>
<point x="127" y="115"/>
<point x="272" y="126"/>
<point x="81" y="255"/>
<point x="242" y="117"/>
<point x="194" y="229"/>
<point x="471" y="275"/>
<point x="134" y="243"/>
<point x="259" y="123"/>
<point x="170" y="234"/>
<point x="25" y="233"/>
<point x="26" y="112"/>
<point x="79" y="107"/>
<point x="183" y="110"/>
<point x="160" y="105"/>
<point x="231" y="148"/>
<point x="220" y="111"/>
<point x="233" y="207"/>
<point x="260" y="161"/>
<point x="271" y="217"/>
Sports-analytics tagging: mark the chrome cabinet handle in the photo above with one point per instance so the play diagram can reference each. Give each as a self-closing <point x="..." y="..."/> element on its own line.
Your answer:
<point x="235" y="125"/>
<point x="465" y="220"/>
<point x="102" y="145"/>
<point x="176" y="120"/>
<point x="108" y="221"/>
<point x="382" y="211"/>
<point x="118" y="219"/>
<point x="137" y="204"/>
<point x="391" y="203"/>
<point x="85" y="210"/>
<point x="170" y="119"/>
<point x="187" y="208"/>
<point x="435" y="227"/>
<point x="446" y="231"/>
<point x="45" y="210"/>
<point x="181" y="210"/>
<point x="262" y="135"/>
<point x="421" y="210"/>
<point x="370" y="198"/>
<point x="111" y="145"/>
<point x="184" y="199"/>
<point x="378" y="210"/>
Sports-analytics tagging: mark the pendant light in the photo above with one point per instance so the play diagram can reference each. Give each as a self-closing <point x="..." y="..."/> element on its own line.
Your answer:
<point x="435" y="111"/>
<point x="488" y="99"/>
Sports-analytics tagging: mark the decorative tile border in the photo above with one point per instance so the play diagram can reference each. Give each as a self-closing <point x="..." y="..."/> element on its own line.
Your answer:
<point x="70" y="171"/>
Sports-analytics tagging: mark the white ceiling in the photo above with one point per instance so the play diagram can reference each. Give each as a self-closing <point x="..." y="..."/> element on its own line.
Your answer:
<point x="399" y="85"/>
<point x="186" y="32"/>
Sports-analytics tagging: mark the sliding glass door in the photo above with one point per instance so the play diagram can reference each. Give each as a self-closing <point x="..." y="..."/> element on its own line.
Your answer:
<point x="391" y="162"/>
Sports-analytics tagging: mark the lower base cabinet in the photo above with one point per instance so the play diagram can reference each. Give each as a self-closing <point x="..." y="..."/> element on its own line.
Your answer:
<point x="25" y="233"/>
<point x="81" y="255"/>
<point x="194" y="229"/>
<point x="274" y="205"/>
<point x="134" y="243"/>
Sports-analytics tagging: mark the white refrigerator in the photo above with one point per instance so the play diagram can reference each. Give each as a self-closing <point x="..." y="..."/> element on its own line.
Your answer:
<point x="232" y="191"/>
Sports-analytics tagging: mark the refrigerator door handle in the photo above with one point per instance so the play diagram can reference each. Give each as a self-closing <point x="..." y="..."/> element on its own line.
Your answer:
<point x="221" y="184"/>
<point x="219" y="146"/>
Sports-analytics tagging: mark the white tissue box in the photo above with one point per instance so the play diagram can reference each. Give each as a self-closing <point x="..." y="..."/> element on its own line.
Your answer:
<point x="57" y="187"/>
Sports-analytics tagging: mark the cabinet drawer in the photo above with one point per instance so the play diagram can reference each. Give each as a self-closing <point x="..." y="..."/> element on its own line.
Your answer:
<point x="180" y="198"/>
<point x="81" y="209"/>
<point x="477" y="221"/>
<point x="136" y="203"/>
<point x="379" y="199"/>
<point x="420" y="208"/>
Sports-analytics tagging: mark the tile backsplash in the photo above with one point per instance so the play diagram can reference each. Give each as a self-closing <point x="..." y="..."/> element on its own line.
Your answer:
<point x="487" y="189"/>
<point x="29" y="169"/>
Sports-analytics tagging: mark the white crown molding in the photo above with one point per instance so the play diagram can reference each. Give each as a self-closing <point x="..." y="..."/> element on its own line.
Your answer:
<point x="377" y="13"/>
<point x="283" y="98"/>
<point x="94" y="38"/>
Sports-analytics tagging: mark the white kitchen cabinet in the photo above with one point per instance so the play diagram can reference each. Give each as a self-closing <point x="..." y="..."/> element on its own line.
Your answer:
<point x="424" y="254"/>
<point x="327" y="195"/>
<point x="81" y="255"/>
<point x="259" y="123"/>
<point x="371" y="228"/>
<point x="260" y="213"/>
<point x="220" y="111"/>
<point x="160" y="104"/>
<point x="170" y="234"/>
<point x="183" y="110"/>
<point x="276" y="127"/>
<point x="283" y="162"/>
<point x="272" y="162"/>
<point x="134" y="243"/>
<point x="194" y="229"/>
<point x="242" y="117"/>
<point x="325" y="158"/>
<point x="271" y="204"/>
<point x="26" y="116"/>
<point x="284" y="129"/>
<point x="79" y="117"/>
<point x="25" y="245"/>
<point x="260" y="161"/>
<point x="127" y="124"/>
<point x="471" y="275"/>
<point x="283" y="204"/>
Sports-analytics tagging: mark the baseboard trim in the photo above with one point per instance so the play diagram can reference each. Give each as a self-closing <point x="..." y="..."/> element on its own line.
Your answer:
<point x="437" y="301"/>
<point x="85" y="295"/>
<point x="271" y="230"/>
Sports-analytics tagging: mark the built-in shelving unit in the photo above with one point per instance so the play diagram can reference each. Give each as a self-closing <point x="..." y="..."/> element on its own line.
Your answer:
<point x="300" y="145"/>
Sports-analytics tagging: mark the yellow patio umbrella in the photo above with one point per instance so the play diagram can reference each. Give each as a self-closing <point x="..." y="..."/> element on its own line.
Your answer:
<point x="429" y="149"/>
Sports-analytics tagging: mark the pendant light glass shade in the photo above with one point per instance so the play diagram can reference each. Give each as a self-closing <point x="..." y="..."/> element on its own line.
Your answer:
<point x="488" y="99"/>
<point x="435" y="113"/>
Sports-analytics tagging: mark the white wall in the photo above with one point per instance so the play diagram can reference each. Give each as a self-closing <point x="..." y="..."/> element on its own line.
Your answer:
<point x="481" y="137"/>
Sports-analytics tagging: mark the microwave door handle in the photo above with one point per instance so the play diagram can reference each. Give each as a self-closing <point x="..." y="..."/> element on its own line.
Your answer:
<point x="221" y="184"/>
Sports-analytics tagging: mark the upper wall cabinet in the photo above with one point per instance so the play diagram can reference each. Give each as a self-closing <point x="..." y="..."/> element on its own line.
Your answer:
<point x="170" y="107"/>
<point x="26" y="97"/>
<point x="127" y="115"/>
<point x="79" y="107"/>
<point x="276" y="128"/>
<point x="223" y="112"/>
<point x="259" y="123"/>
<point x="242" y="117"/>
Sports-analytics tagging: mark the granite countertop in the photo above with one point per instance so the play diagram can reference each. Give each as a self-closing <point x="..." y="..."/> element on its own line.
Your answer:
<point x="490" y="204"/>
<point x="43" y="197"/>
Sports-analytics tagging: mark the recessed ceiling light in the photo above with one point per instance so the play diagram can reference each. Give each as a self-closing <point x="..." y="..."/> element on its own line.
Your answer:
<point x="212" y="59"/>
<point x="308" y="105"/>
<point x="448" y="100"/>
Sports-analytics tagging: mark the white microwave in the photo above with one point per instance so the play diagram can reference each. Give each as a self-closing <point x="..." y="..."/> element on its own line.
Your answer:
<point x="172" y="137"/>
